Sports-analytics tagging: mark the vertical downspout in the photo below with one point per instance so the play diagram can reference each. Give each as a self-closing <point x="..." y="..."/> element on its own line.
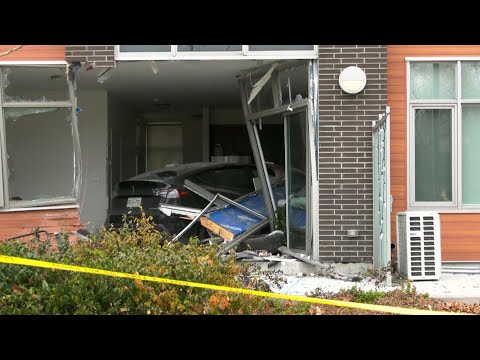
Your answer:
<point x="314" y="150"/>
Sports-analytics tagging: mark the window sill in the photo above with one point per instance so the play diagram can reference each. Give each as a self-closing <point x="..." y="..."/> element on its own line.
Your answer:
<point x="447" y="211"/>
<point x="55" y="207"/>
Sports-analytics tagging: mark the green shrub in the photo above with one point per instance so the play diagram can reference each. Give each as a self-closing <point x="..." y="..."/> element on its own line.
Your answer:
<point x="135" y="248"/>
<point x="281" y="222"/>
<point x="364" y="296"/>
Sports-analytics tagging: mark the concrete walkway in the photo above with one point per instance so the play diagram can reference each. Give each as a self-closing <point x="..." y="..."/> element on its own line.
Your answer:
<point x="450" y="287"/>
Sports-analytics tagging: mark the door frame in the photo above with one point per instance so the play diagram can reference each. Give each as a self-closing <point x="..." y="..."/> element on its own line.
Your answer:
<point x="308" y="104"/>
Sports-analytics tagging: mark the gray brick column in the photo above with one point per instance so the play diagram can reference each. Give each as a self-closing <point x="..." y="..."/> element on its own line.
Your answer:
<point x="345" y="150"/>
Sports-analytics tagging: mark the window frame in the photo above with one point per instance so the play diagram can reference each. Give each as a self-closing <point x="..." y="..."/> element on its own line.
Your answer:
<point x="6" y="204"/>
<point x="456" y="206"/>
<point x="454" y="123"/>
<point x="244" y="54"/>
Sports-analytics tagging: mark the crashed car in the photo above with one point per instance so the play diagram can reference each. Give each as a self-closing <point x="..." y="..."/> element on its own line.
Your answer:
<point x="166" y="186"/>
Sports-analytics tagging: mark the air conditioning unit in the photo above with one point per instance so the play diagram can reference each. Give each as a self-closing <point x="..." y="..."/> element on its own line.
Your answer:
<point x="418" y="245"/>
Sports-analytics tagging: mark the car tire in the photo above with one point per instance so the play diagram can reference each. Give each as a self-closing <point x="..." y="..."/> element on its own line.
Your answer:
<point x="212" y="240"/>
<point x="270" y="243"/>
<point x="161" y="228"/>
<point x="202" y="233"/>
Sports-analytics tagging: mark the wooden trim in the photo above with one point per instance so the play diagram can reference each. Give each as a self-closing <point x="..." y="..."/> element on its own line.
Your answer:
<point x="53" y="220"/>
<point x="33" y="53"/>
<point x="217" y="229"/>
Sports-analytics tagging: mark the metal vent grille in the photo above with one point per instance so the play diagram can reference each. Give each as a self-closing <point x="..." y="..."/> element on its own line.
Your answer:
<point x="418" y="237"/>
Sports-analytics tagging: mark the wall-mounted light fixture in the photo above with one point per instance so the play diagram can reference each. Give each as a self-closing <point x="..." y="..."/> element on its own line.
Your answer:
<point x="352" y="80"/>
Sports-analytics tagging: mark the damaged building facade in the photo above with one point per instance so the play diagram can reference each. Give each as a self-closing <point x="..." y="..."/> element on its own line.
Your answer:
<point x="77" y="119"/>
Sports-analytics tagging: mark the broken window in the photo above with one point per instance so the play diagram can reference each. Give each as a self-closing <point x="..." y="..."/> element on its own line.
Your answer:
<point x="279" y="93"/>
<point x="23" y="84"/>
<point x="260" y="90"/>
<point x="275" y="85"/>
<point x="39" y="144"/>
<point x="293" y="84"/>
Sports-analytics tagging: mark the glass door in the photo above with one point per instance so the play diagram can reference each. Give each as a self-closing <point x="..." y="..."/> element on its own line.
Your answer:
<point x="297" y="179"/>
<point x="282" y="90"/>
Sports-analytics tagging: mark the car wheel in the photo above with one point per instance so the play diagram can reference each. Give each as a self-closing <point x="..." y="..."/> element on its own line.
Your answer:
<point x="161" y="228"/>
<point x="202" y="233"/>
<point x="211" y="241"/>
<point x="270" y="243"/>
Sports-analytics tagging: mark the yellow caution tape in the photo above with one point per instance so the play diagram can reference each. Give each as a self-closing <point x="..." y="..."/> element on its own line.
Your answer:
<point x="81" y="269"/>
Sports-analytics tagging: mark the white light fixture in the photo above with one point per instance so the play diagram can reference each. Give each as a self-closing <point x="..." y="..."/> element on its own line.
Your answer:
<point x="352" y="80"/>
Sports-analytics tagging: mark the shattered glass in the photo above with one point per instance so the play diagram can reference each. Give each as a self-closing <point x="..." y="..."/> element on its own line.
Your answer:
<point x="293" y="84"/>
<point x="43" y="83"/>
<point x="264" y="99"/>
<point x="5" y="73"/>
<point x="40" y="153"/>
<point x="15" y="113"/>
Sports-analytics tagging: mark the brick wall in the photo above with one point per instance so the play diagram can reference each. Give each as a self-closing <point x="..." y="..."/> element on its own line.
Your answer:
<point x="98" y="55"/>
<point x="345" y="150"/>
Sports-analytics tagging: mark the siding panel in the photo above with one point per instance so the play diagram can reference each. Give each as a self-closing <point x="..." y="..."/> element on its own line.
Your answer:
<point x="33" y="52"/>
<point x="21" y="222"/>
<point x="460" y="232"/>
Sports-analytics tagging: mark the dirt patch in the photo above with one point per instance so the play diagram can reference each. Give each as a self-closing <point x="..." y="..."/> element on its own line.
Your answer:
<point x="406" y="297"/>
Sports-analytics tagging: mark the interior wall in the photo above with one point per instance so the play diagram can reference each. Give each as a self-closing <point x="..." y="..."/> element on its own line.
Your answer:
<point x="122" y="141"/>
<point x="227" y="116"/>
<point x="165" y="146"/>
<point x="227" y="127"/>
<point x="191" y="121"/>
<point x="92" y="125"/>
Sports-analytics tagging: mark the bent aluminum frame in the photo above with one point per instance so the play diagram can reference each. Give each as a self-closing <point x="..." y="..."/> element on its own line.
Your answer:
<point x="284" y="110"/>
<point x="382" y="201"/>
<point x="227" y="200"/>
<point x="76" y="149"/>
